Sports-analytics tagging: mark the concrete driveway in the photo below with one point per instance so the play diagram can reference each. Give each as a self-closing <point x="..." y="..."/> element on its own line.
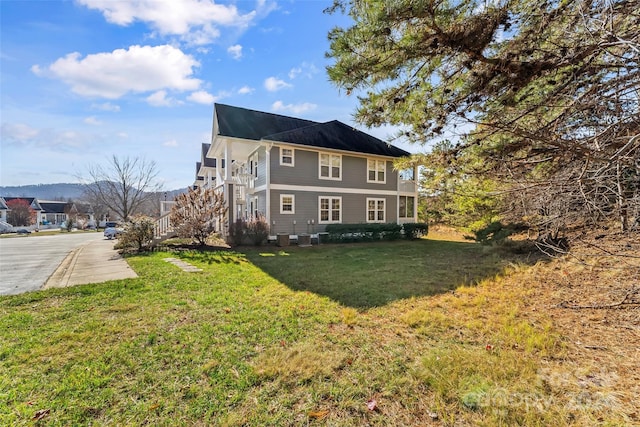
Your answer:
<point x="27" y="263"/>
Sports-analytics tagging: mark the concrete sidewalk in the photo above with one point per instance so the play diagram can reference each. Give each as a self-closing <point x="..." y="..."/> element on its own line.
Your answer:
<point x="94" y="262"/>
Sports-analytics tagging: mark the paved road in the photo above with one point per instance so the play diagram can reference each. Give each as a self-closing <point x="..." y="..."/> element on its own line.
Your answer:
<point x="27" y="262"/>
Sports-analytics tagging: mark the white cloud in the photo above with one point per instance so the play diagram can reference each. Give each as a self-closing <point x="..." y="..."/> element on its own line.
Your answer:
<point x="235" y="51"/>
<point x="305" y="69"/>
<point x="202" y="97"/>
<point x="293" y="108"/>
<point x="137" y="69"/>
<point x="245" y="90"/>
<point x="273" y="84"/>
<point x="107" y="106"/>
<point x="17" y="133"/>
<point x="54" y="139"/>
<point x="170" y="143"/>
<point x="159" y="99"/>
<point x="195" y="21"/>
<point x="123" y="135"/>
<point x="92" y="120"/>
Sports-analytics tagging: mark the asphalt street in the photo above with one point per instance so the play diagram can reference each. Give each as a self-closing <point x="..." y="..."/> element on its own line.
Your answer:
<point x="27" y="262"/>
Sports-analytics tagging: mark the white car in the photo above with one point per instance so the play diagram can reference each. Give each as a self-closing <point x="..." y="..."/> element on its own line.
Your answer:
<point x="111" y="233"/>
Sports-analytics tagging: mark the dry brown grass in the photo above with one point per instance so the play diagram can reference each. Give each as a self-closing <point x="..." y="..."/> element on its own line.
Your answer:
<point x="602" y="344"/>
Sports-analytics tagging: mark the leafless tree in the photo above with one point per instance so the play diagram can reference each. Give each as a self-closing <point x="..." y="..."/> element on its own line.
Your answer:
<point x="123" y="186"/>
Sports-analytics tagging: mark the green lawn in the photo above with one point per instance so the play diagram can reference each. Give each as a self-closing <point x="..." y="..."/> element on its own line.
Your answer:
<point x="362" y="334"/>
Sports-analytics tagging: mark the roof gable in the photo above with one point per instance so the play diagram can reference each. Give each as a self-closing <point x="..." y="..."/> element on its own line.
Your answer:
<point x="336" y="135"/>
<point x="250" y="124"/>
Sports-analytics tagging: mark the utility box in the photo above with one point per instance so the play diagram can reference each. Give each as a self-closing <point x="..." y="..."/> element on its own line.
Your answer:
<point x="304" y="240"/>
<point x="282" y="239"/>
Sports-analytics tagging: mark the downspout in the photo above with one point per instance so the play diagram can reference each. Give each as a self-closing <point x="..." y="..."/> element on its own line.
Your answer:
<point x="268" y="183"/>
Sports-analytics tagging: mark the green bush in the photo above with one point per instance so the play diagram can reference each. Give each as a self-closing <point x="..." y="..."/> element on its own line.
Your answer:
<point x="415" y="230"/>
<point x="495" y="233"/>
<point x="346" y="233"/>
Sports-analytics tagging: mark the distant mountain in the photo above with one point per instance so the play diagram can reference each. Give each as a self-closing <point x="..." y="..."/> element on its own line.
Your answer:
<point x="45" y="191"/>
<point x="65" y="191"/>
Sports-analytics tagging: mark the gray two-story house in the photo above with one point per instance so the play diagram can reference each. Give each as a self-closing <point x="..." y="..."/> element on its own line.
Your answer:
<point x="301" y="175"/>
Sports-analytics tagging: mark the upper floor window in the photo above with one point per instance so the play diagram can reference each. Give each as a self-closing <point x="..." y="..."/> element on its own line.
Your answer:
<point x="287" y="204"/>
<point x="286" y="156"/>
<point x="376" y="171"/>
<point x="330" y="166"/>
<point x="406" y="206"/>
<point x="375" y="210"/>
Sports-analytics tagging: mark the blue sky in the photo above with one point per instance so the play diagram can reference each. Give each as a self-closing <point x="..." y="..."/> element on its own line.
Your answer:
<point x="82" y="80"/>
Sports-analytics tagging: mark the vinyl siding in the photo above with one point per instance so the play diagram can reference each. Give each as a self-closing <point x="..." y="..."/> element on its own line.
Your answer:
<point x="305" y="172"/>
<point x="262" y="167"/>
<point x="354" y="210"/>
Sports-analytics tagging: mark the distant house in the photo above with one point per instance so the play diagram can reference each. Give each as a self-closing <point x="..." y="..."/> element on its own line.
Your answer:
<point x="302" y="175"/>
<point x="57" y="212"/>
<point x="3" y="209"/>
<point x="33" y="202"/>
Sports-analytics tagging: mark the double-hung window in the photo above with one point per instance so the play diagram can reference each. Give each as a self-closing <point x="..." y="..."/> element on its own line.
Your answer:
<point x="376" y="171"/>
<point x="287" y="204"/>
<point x="286" y="156"/>
<point x="330" y="210"/>
<point x="406" y="206"/>
<point x="375" y="210"/>
<point x="330" y="166"/>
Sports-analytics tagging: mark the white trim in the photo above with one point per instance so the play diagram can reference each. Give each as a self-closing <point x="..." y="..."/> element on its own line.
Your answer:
<point x="331" y="157"/>
<point x="293" y="204"/>
<point x="376" y="181"/>
<point x="282" y="156"/>
<point x="317" y="189"/>
<point x="330" y="221"/>
<point x="376" y="210"/>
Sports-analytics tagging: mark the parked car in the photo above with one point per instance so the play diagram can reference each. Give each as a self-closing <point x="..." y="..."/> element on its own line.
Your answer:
<point x="112" y="232"/>
<point x="23" y="231"/>
<point x="5" y="227"/>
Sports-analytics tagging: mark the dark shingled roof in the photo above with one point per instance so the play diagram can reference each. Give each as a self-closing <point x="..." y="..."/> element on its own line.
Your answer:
<point x="209" y="162"/>
<point x="249" y="124"/>
<point x="54" y="207"/>
<point x="338" y="136"/>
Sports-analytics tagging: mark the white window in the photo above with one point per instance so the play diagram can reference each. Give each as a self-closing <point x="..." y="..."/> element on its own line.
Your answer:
<point x="287" y="204"/>
<point x="375" y="210"/>
<point x="376" y="171"/>
<point x="330" y="210"/>
<point x="406" y="206"/>
<point x="330" y="166"/>
<point x="286" y="156"/>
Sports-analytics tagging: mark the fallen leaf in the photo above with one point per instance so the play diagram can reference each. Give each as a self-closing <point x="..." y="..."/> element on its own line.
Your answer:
<point x="40" y="414"/>
<point x="372" y="404"/>
<point x="319" y="415"/>
<point x="433" y="415"/>
<point x="154" y="407"/>
<point x="283" y="343"/>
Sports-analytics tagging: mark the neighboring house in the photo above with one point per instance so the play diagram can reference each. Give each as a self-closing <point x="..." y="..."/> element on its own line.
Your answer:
<point x="33" y="202"/>
<point x="56" y="212"/>
<point x="302" y="175"/>
<point x="3" y="209"/>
